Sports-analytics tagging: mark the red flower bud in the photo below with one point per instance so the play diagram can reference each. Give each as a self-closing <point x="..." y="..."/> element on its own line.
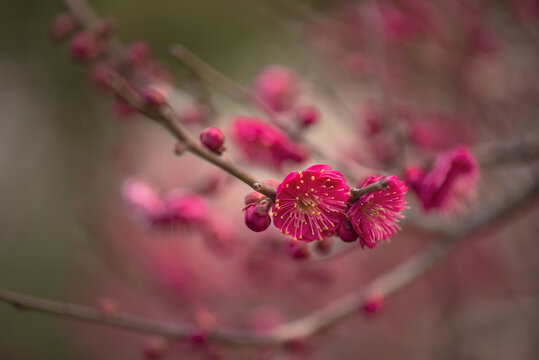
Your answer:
<point x="307" y="115"/>
<point x="153" y="97"/>
<point x="84" y="47"/>
<point x="373" y="303"/>
<point x="213" y="138"/>
<point x="257" y="218"/>
<point x="253" y="198"/>
<point x="346" y="231"/>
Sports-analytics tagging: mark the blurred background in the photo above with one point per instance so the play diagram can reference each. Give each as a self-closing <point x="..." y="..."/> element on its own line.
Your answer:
<point x="64" y="155"/>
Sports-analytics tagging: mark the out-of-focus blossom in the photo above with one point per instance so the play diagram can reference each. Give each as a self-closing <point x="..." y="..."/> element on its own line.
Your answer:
<point x="84" y="46"/>
<point x="404" y="22"/>
<point x="137" y="52"/>
<point x="307" y="115"/>
<point x="374" y="216"/>
<point x="449" y="184"/>
<point x="142" y="199"/>
<point x="437" y="131"/>
<point x="264" y="144"/>
<point x="62" y="25"/>
<point x="277" y="87"/>
<point x="175" y="208"/>
<point x="373" y="303"/>
<point x="311" y="204"/>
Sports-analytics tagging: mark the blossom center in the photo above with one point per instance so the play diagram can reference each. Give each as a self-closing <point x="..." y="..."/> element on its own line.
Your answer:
<point x="307" y="205"/>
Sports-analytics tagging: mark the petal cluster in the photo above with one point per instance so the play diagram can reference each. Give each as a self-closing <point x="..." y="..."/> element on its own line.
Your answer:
<point x="311" y="204"/>
<point x="374" y="216"/>
<point x="449" y="184"/>
<point x="277" y="87"/>
<point x="263" y="143"/>
<point x="175" y="208"/>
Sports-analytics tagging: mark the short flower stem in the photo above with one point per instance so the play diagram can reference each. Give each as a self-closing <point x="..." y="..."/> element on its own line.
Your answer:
<point x="355" y="194"/>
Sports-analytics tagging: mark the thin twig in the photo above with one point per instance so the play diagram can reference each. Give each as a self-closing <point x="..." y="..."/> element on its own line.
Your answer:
<point x="86" y="17"/>
<point x="388" y="283"/>
<point x="168" y="118"/>
<point x="355" y="194"/>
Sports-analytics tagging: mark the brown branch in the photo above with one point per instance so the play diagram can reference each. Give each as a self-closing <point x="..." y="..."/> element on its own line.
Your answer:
<point x="402" y="275"/>
<point x="242" y="94"/>
<point x="168" y="118"/>
<point x="87" y="18"/>
<point x="499" y="153"/>
<point x="355" y="194"/>
<point x="130" y="322"/>
<point x="388" y="283"/>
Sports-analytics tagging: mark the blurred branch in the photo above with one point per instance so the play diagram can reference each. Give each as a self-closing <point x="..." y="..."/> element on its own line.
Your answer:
<point x="208" y="73"/>
<point x="168" y="118"/>
<point x="164" y="115"/>
<point x="402" y="275"/>
<point x="387" y="284"/>
<point x="243" y="95"/>
<point x="519" y="150"/>
<point x="134" y="323"/>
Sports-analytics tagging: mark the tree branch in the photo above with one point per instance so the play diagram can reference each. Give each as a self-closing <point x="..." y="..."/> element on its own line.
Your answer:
<point x="387" y="284"/>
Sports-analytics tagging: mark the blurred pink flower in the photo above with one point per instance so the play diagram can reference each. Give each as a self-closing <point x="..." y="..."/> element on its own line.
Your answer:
<point x="449" y="183"/>
<point x="311" y="204"/>
<point x="374" y="216"/>
<point x="277" y="87"/>
<point x="263" y="143"/>
<point x="175" y="208"/>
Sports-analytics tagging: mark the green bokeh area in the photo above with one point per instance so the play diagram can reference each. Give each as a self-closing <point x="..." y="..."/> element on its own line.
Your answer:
<point x="54" y="128"/>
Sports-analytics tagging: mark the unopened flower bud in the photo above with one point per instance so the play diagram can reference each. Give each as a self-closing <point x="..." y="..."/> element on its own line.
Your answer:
<point x="346" y="231"/>
<point x="307" y="115"/>
<point x="153" y="97"/>
<point x="105" y="28"/>
<point x="84" y="47"/>
<point x="62" y="25"/>
<point x="298" y="250"/>
<point x="156" y="348"/>
<point x="373" y="303"/>
<point x="137" y="52"/>
<point x="257" y="218"/>
<point x="253" y="198"/>
<point x="214" y="139"/>
<point x="277" y="87"/>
